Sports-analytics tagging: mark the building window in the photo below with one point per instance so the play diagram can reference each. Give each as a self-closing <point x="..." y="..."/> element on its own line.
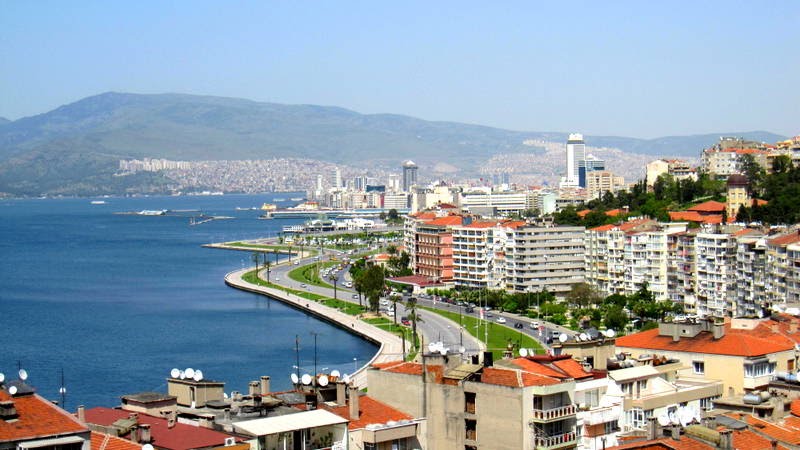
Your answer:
<point x="611" y="427"/>
<point x="400" y="444"/>
<point x="699" y="367"/>
<point x="592" y="398"/>
<point x="707" y="404"/>
<point x="759" y="369"/>
<point x="790" y="365"/>
<point x="370" y="446"/>
<point x="637" y="418"/>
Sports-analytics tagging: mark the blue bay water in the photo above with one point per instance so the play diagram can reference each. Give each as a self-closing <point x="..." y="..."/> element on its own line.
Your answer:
<point x="119" y="300"/>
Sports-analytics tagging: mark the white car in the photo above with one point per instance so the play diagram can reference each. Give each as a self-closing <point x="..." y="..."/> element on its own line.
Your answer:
<point x="535" y="325"/>
<point x="501" y="320"/>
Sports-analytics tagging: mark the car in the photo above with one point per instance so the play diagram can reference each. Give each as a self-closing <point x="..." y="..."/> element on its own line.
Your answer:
<point x="469" y="309"/>
<point x="488" y="315"/>
<point x="303" y="285"/>
<point x="297" y="263"/>
<point x="355" y="296"/>
<point x="277" y="279"/>
<point x="501" y="320"/>
<point x="518" y="326"/>
<point x="535" y="324"/>
<point x="405" y="321"/>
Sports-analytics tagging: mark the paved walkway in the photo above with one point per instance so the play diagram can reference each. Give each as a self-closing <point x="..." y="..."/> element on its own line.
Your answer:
<point x="391" y="345"/>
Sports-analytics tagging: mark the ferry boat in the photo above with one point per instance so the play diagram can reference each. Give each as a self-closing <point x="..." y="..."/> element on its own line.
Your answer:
<point x="269" y="207"/>
<point x="98" y="202"/>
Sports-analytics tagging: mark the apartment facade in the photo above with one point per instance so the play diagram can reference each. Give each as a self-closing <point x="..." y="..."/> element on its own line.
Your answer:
<point x="715" y="257"/>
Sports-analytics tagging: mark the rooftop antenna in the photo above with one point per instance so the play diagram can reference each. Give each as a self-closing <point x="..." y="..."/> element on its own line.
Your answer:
<point x="63" y="391"/>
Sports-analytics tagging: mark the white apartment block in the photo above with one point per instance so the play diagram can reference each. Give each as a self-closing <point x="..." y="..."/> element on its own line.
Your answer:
<point x="715" y="255"/>
<point x="750" y="275"/>
<point x="601" y="181"/>
<point x="538" y="258"/>
<point x="681" y="285"/>
<point x="478" y="255"/>
<point x="504" y="202"/>
<point x="778" y="270"/>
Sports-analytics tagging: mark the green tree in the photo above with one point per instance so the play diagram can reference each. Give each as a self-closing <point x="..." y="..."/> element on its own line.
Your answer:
<point x="615" y="318"/>
<point x="372" y="283"/>
<point x="583" y="295"/>
<point x="751" y="169"/>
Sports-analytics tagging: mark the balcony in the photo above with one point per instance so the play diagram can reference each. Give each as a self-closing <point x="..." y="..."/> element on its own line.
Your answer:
<point x="555" y="441"/>
<point x="547" y="415"/>
<point x="596" y="416"/>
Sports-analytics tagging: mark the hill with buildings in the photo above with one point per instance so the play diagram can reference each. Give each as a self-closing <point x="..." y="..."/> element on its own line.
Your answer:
<point x="78" y="146"/>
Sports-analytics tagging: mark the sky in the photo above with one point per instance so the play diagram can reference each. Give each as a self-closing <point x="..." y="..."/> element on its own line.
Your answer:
<point x="627" y="68"/>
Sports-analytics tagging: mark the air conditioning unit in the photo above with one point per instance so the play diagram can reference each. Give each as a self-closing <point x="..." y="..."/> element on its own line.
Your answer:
<point x="230" y="441"/>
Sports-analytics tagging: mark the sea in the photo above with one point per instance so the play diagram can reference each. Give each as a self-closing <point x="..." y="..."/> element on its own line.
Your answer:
<point x="111" y="303"/>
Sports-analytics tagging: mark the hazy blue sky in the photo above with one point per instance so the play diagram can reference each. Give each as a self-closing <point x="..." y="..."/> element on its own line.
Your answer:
<point x="639" y="68"/>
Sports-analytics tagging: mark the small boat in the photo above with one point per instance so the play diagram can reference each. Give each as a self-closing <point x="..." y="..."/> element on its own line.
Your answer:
<point x="269" y="207"/>
<point x="98" y="202"/>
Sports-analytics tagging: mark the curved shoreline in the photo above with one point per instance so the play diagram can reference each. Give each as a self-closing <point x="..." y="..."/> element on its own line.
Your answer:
<point x="389" y="345"/>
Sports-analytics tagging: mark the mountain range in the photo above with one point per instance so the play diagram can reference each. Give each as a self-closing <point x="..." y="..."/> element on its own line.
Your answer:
<point x="76" y="148"/>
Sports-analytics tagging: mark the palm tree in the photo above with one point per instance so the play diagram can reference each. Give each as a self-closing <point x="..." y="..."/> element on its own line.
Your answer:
<point x="334" y="279"/>
<point x="267" y="264"/>
<point x="395" y="298"/>
<point x="256" y="259"/>
<point x="411" y="314"/>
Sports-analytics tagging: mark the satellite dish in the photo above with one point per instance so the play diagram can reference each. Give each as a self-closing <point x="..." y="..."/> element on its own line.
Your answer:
<point x="175" y="373"/>
<point x="148" y="447"/>
<point x="198" y="375"/>
<point x="335" y="373"/>
<point x="323" y="380"/>
<point x="462" y="349"/>
<point x="12" y="390"/>
<point x="610" y="333"/>
<point x="663" y="419"/>
<point x="523" y="352"/>
<point x="686" y="416"/>
<point x="23" y="374"/>
<point x="563" y="337"/>
<point x="225" y="395"/>
<point x="584" y="337"/>
<point x="531" y="352"/>
<point x="62" y="390"/>
<point x="182" y="375"/>
<point x="305" y="379"/>
<point x="443" y="351"/>
<point x="673" y="418"/>
<point x="189" y="372"/>
<point x="2" y="377"/>
<point x="346" y="379"/>
<point x="295" y="380"/>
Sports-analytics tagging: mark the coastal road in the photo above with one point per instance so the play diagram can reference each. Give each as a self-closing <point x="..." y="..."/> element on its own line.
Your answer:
<point x="432" y="327"/>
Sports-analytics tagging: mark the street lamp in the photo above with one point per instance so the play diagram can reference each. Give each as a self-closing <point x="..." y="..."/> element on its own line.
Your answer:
<point x="355" y="365"/>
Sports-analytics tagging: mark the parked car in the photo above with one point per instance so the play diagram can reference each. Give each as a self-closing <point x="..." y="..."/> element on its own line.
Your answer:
<point x="518" y="325"/>
<point x="405" y="321"/>
<point x="501" y="320"/>
<point x="535" y="324"/>
<point x="355" y="296"/>
<point x="303" y="285"/>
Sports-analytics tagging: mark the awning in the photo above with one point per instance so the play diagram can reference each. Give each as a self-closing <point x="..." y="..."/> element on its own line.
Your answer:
<point x="51" y="442"/>
<point x="289" y="422"/>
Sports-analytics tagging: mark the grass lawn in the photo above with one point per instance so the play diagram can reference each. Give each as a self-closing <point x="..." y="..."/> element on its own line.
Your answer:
<point x="308" y="274"/>
<point x="499" y="335"/>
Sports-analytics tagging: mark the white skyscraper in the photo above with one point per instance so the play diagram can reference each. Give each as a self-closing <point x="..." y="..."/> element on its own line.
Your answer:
<point x="576" y="156"/>
<point x="337" y="178"/>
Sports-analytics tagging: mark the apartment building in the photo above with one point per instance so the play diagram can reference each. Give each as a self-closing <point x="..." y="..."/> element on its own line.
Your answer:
<point x="601" y="181"/>
<point x="676" y="168"/>
<point x="715" y="262"/>
<point x="744" y="355"/>
<point x="429" y="242"/>
<point x="779" y="274"/>
<point x="479" y="254"/>
<point x="681" y="282"/>
<point x="539" y="258"/>
<point x="503" y="203"/>
<point x="471" y="406"/>
<point x="751" y="274"/>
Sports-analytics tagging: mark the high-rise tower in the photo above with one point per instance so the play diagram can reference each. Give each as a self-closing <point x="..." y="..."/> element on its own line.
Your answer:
<point x="576" y="156"/>
<point x="409" y="175"/>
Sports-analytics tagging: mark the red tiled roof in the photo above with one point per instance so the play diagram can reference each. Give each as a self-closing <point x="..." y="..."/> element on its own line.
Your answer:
<point x="538" y="368"/>
<point x="796" y="407"/>
<point x="742" y="439"/>
<point x="626" y="226"/>
<point x="783" y="434"/>
<point x="181" y="436"/>
<point x="446" y="206"/>
<point x="785" y="239"/>
<point x="514" y="378"/>
<point x="411" y="368"/>
<point x="583" y="213"/>
<point x="102" y="441"/>
<point x="710" y="206"/>
<point x="445" y="221"/>
<point x="603" y="228"/>
<point x="515" y="224"/>
<point x="482" y="224"/>
<point x="37" y="418"/>
<point x="424" y="215"/>
<point x="694" y="216"/>
<point x="573" y="368"/>
<point x="370" y="411"/>
<point x="419" y="280"/>
<point x="734" y="343"/>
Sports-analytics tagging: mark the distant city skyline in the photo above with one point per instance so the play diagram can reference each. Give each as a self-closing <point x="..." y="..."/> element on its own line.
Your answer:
<point x="629" y="69"/>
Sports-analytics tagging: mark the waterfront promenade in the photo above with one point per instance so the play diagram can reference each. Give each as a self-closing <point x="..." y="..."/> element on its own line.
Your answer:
<point x="390" y="345"/>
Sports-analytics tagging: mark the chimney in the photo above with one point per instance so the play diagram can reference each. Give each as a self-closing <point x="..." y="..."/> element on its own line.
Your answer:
<point x="134" y="436"/>
<point x="726" y="440"/>
<point x="676" y="332"/>
<point x="144" y="433"/>
<point x="226" y="415"/>
<point x="488" y="359"/>
<point x="264" y="384"/>
<point x="354" y="407"/>
<point x="676" y="432"/>
<point x="172" y="419"/>
<point x="774" y="444"/>
<point x="82" y="413"/>
<point x="252" y="388"/>
<point x="652" y="429"/>
<point x="7" y="410"/>
<point x="719" y="330"/>
<point x="341" y="393"/>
